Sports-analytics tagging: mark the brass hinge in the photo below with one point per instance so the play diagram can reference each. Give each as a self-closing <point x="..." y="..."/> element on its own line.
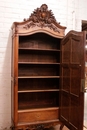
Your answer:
<point x="83" y="85"/>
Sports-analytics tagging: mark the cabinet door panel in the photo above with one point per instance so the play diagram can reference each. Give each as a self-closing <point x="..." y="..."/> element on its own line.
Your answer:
<point x="72" y="71"/>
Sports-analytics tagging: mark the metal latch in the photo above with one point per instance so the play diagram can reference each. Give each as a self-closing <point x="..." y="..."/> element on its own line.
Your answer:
<point x="83" y="85"/>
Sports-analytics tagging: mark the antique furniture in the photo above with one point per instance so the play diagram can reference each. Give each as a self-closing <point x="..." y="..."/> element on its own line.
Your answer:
<point x="47" y="73"/>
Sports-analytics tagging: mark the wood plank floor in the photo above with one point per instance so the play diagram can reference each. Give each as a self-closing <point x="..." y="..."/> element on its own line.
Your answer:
<point x="65" y="128"/>
<point x="85" y="124"/>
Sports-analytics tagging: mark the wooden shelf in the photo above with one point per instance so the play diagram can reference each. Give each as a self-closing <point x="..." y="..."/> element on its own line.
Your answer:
<point x="48" y="90"/>
<point x="38" y="63"/>
<point x="37" y="49"/>
<point x="38" y="109"/>
<point x="24" y="77"/>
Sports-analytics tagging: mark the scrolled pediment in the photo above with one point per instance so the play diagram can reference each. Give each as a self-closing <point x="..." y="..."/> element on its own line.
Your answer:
<point x="42" y="20"/>
<point x="42" y="16"/>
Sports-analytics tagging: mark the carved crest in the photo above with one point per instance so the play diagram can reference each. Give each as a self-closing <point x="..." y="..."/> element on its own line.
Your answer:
<point x="42" y="17"/>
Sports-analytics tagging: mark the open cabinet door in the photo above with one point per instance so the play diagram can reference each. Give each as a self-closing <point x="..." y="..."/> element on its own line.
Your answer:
<point x="72" y="80"/>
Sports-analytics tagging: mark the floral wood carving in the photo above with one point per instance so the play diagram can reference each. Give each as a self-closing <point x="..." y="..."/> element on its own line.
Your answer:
<point x="42" y="17"/>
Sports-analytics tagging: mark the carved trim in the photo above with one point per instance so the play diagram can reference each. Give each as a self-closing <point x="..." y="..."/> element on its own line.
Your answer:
<point x="42" y="17"/>
<point x="36" y="126"/>
<point x="41" y="20"/>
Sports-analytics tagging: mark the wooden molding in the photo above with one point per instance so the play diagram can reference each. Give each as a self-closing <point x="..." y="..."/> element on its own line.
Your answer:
<point x="41" y="20"/>
<point x="42" y="17"/>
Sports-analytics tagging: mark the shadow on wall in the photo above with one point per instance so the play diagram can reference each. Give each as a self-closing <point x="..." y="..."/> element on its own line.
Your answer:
<point x="5" y="87"/>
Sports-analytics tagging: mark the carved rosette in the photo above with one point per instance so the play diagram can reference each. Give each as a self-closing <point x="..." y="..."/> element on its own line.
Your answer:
<point x="42" y="17"/>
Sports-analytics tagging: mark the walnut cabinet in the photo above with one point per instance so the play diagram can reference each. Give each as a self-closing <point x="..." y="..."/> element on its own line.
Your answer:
<point x="47" y="73"/>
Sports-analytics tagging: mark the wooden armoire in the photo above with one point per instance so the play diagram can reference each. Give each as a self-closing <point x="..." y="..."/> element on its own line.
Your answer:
<point x="48" y="72"/>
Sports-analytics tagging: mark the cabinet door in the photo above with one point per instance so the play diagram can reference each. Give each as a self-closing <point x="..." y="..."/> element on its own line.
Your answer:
<point x="72" y="80"/>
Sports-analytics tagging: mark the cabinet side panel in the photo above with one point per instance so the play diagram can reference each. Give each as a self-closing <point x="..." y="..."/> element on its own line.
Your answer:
<point x="14" y="81"/>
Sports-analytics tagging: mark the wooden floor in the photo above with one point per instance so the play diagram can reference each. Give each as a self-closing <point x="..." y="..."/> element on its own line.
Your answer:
<point x="84" y="128"/>
<point x="85" y="125"/>
<point x="65" y="128"/>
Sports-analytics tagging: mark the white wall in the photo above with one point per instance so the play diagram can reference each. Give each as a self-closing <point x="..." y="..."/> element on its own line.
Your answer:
<point x="68" y="12"/>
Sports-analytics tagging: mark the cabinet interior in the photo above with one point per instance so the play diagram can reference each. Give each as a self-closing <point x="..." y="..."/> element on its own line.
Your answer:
<point x="38" y="72"/>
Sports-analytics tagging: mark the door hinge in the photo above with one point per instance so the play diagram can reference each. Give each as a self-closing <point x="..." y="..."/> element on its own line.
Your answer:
<point x="83" y="85"/>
